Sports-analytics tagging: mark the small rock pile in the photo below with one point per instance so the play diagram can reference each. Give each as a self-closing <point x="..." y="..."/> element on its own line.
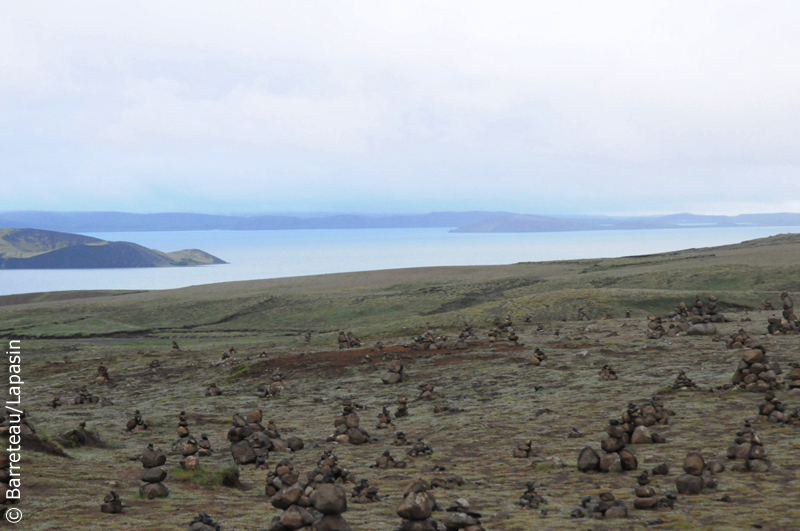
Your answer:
<point x="205" y="446"/>
<point x="203" y="522"/>
<point x="153" y="475"/>
<point x="86" y="397"/>
<point x="320" y="510"/>
<point x="385" y="460"/>
<point x="461" y="516"/>
<point x="417" y="507"/>
<point x="282" y="476"/>
<point x="756" y="373"/>
<point x="794" y="378"/>
<point x="538" y="358"/>
<point x="402" y="407"/>
<point x="384" y="419"/>
<point x="523" y="450"/>
<point x="773" y="410"/>
<point x="420" y="448"/>
<point x="111" y="503"/>
<point x="616" y="458"/>
<point x="748" y="445"/>
<point x="426" y="392"/>
<point x="189" y="449"/>
<point x="136" y="423"/>
<point x="274" y="387"/>
<point x="394" y="373"/>
<point x="400" y="439"/>
<point x="328" y="469"/>
<point x="213" y="390"/>
<point x="363" y="493"/>
<point x="347" y="427"/>
<point x="183" y="425"/>
<point x="646" y="495"/>
<point x="251" y="440"/>
<point x="102" y="375"/>
<point x="697" y="474"/>
<point x="740" y="339"/>
<point x="607" y="373"/>
<point x="531" y="499"/>
<point x="683" y="382"/>
<point x="607" y="506"/>
<point x="348" y="340"/>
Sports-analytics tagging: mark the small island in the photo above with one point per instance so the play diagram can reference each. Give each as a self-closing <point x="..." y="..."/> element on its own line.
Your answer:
<point x="45" y="249"/>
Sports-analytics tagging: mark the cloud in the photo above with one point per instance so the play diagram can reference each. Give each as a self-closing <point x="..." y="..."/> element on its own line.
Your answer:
<point x="574" y="107"/>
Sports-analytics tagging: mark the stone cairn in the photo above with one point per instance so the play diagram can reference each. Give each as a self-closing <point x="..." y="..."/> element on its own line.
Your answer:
<point x="461" y="516"/>
<point x="646" y="495"/>
<point x="203" y="522"/>
<point x="773" y="410"/>
<point x="756" y="373"/>
<point x="606" y="506"/>
<point x="205" y="446"/>
<point x="319" y="508"/>
<point x="136" y="423"/>
<point x="740" y="339"/>
<point x="385" y="460"/>
<point x="697" y="474"/>
<point x="348" y="340"/>
<point x="213" y="390"/>
<point x="328" y="470"/>
<point x="111" y="503"/>
<point x="153" y="475"/>
<point x="86" y="397"/>
<point x="363" y="493"/>
<point x="384" y="419"/>
<point x="55" y="402"/>
<point x="426" y="392"/>
<point x="531" y="499"/>
<point x="274" y="387"/>
<point x="582" y="315"/>
<point x="428" y="341"/>
<point x="794" y="379"/>
<point x="282" y="476"/>
<point x="417" y="507"/>
<point x="523" y="450"/>
<point x="683" y="382"/>
<point x="102" y="375"/>
<point x="347" y="427"/>
<point x="768" y="306"/>
<point x="402" y="407"/>
<point x="394" y="373"/>
<point x="608" y="373"/>
<point x="400" y="439"/>
<point x="420" y="448"/>
<point x="250" y="440"/>
<point x="464" y="337"/>
<point x="616" y="457"/>
<point x="449" y="482"/>
<point x="538" y="358"/>
<point x="748" y="445"/>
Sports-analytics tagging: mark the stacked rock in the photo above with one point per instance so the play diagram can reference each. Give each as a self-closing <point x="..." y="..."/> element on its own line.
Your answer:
<point x="363" y="493"/>
<point x="153" y="475"/>
<point x="655" y="329"/>
<point x="385" y="460"/>
<point x="646" y="495"/>
<point x="102" y="375"/>
<point x="189" y="449"/>
<point x="416" y="508"/>
<point x="531" y="499"/>
<point x="136" y="423"/>
<point x="637" y="419"/>
<point x="756" y="373"/>
<point x="608" y="373"/>
<point x="328" y="469"/>
<point x="400" y="439"/>
<point x="538" y="359"/>
<point x="384" y="419"/>
<point x="402" y="407"/>
<point x="321" y="510"/>
<point x="86" y="397"/>
<point x="394" y="373"/>
<point x="749" y="446"/>
<point x="282" y="476"/>
<point x="331" y="501"/>
<point x="251" y="440"/>
<point x="794" y="379"/>
<point x="448" y="482"/>
<point x="274" y="387"/>
<point x="607" y="506"/>
<point x="420" y="448"/>
<point x="697" y="474"/>
<point x="616" y="457"/>
<point x="111" y="503"/>
<point x="740" y="339"/>
<point x="203" y="522"/>
<point x="773" y="410"/>
<point x="788" y="308"/>
<point x="183" y="425"/>
<point x="461" y="516"/>
<point x="682" y="381"/>
<point x="523" y="449"/>
<point x="513" y="338"/>
<point x="205" y="446"/>
<point x="213" y="390"/>
<point x="347" y="427"/>
<point x="492" y="335"/>
<point x="426" y="392"/>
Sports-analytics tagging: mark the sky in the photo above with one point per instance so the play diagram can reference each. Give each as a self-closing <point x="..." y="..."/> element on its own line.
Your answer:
<point x="400" y="107"/>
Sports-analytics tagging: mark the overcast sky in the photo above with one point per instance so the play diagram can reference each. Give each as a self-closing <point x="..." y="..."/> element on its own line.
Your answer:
<point x="536" y="107"/>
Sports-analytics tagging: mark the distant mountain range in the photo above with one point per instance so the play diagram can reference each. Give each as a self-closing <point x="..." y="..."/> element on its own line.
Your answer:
<point x="473" y="221"/>
<point x="44" y="249"/>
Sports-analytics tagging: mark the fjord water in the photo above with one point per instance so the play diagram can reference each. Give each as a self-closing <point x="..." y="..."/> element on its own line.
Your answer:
<point x="272" y="254"/>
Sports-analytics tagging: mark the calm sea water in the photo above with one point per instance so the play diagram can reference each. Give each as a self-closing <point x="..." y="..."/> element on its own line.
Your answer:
<point x="272" y="254"/>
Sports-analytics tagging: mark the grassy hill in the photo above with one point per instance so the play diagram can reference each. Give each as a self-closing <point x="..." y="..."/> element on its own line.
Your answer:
<point x="43" y="249"/>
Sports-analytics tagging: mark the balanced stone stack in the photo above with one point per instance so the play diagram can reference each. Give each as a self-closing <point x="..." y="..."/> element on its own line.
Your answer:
<point x="136" y="423"/>
<point x="282" y="476"/>
<point x="328" y="470"/>
<point x="347" y="427"/>
<point x="740" y="339"/>
<point x="607" y="506"/>
<point x="794" y="379"/>
<point x="384" y="419"/>
<point x="86" y="397"/>
<point x="111" y="503"/>
<point x="274" y="387"/>
<point x="394" y="373"/>
<point x="616" y="457"/>
<point x="153" y="475"/>
<point x="426" y="392"/>
<point x="531" y="499"/>
<point x="683" y="382"/>
<point x="213" y="390"/>
<point x="417" y="507"/>
<point x="646" y="495"/>
<point x="608" y="373"/>
<point x="400" y="439"/>
<point x="647" y="415"/>
<point x="102" y="375"/>
<point x="363" y="493"/>
<point x="523" y="450"/>
<point x="385" y="460"/>
<point x="756" y="373"/>
<point x="402" y="407"/>
<point x="461" y="516"/>
<point x="749" y="446"/>
<point x="251" y="440"/>
<point x="183" y="425"/>
<point x="420" y="448"/>
<point x="203" y="522"/>
<point x="205" y="446"/>
<point x="773" y="410"/>
<point x="655" y="329"/>
<point x="538" y="359"/>
<point x="697" y="474"/>
<point x="189" y="449"/>
<point x="322" y="512"/>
